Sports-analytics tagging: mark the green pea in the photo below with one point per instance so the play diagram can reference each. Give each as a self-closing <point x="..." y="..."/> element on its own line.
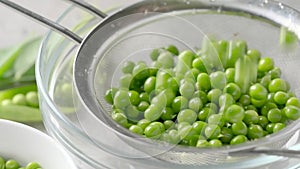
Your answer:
<point x="132" y="113"/>
<point x="143" y="106"/>
<point x="251" y="117"/>
<point x="225" y="100"/>
<point x="239" y="128"/>
<point x="202" y="143"/>
<point x="169" y="124"/>
<point x="230" y="73"/>
<point x="226" y="135"/>
<point x="205" y="113"/>
<point x="134" y="97"/>
<point x="187" y="89"/>
<point x="212" y="106"/>
<point x="216" y="119"/>
<point x="250" y="107"/>
<point x="140" y="71"/>
<point x="143" y="123"/>
<point x="128" y="67"/>
<point x="144" y="97"/>
<point x="293" y="101"/>
<point x="255" y="131"/>
<point x="125" y="81"/>
<point x="120" y="119"/>
<point x="265" y="64"/>
<point x="12" y="164"/>
<point x="109" y="95"/>
<point x="215" y="143"/>
<point x="278" y="126"/>
<point x="149" y="84"/>
<point x="234" y="113"/>
<point x="277" y="85"/>
<point x="218" y="80"/>
<point x="136" y="129"/>
<point x="266" y="80"/>
<point x="202" y="95"/>
<point x="173" y="49"/>
<point x="212" y="131"/>
<point x="270" y="97"/>
<point x="281" y="97"/>
<point x="185" y="60"/>
<point x="168" y="114"/>
<point x="292" y="112"/>
<point x="154" y="130"/>
<point x="166" y="60"/>
<point x="263" y="121"/>
<point x="160" y="100"/>
<point x="121" y="99"/>
<point x="254" y="54"/>
<point x="6" y="102"/>
<point x="187" y="115"/>
<point x="174" y="136"/>
<point x="274" y="115"/>
<point x="275" y="73"/>
<point x="198" y="64"/>
<point x="180" y="103"/>
<point x="203" y="82"/>
<point x="162" y="78"/>
<point x="270" y="127"/>
<point x="258" y="92"/>
<point x="199" y="126"/>
<point x="234" y="90"/>
<point x="153" y="112"/>
<point x="238" y="140"/>
<point x="268" y="106"/>
<point x="154" y="54"/>
<point x="195" y="104"/>
<point x="245" y="100"/>
<point x="19" y="99"/>
<point x="258" y="103"/>
<point x="213" y="95"/>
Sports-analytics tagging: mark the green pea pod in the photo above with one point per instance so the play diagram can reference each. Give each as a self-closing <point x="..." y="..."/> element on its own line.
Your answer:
<point x="19" y="113"/>
<point x="242" y="73"/>
<point x="236" y="50"/>
<point x="9" y="93"/>
<point x="211" y="55"/>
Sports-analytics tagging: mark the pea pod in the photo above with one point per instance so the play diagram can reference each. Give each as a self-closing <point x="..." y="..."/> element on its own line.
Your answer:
<point x="19" y="113"/>
<point x="9" y="93"/>
<point x="244" y="73"/>
<point x="210" y="56"/>
<point x="236" y="50"/>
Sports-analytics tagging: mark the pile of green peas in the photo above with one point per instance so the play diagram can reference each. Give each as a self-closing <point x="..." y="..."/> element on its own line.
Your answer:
<point x="13" y="164"/>
<point x="224" y="94"/>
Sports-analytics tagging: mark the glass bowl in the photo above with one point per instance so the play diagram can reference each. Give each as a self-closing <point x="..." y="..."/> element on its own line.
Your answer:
<point x="78" y="117"/>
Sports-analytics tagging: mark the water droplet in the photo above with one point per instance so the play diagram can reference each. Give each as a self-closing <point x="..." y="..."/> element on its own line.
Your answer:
<point x="280" y="5"/>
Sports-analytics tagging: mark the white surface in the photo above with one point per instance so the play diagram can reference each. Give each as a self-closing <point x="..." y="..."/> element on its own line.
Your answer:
<point x="26" y="144"/>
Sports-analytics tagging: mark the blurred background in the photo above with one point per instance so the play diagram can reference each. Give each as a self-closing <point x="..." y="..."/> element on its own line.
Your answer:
<point x="15" y="27"/>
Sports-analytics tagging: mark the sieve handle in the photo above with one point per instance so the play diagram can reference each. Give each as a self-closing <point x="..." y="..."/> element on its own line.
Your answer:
<point x="51" y="24"/>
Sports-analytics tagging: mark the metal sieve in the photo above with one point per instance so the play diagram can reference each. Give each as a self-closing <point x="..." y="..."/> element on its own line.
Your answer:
<point x="131" y="33"/>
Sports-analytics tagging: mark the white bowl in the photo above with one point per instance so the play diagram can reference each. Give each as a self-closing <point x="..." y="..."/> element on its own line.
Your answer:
<point x="27" y="144"/>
